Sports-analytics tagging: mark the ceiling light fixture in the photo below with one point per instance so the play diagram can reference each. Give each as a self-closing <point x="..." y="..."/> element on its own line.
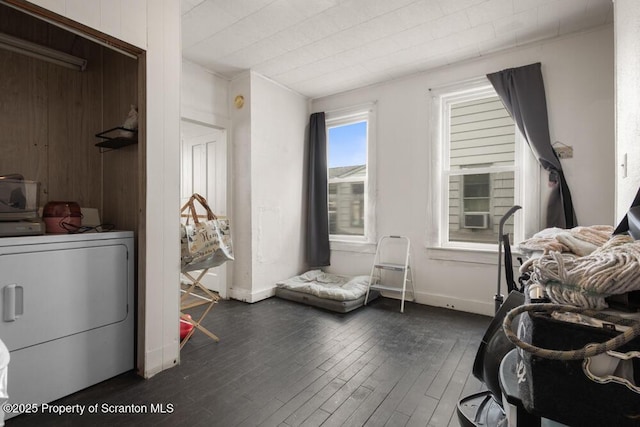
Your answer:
<point x="44" y="53"/>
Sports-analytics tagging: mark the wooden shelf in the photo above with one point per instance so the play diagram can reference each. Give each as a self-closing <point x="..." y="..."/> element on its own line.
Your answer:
<point x="114" y="139"/>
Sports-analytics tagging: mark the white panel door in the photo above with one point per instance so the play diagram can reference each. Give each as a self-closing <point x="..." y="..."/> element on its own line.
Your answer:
<point x="204" y="171"/>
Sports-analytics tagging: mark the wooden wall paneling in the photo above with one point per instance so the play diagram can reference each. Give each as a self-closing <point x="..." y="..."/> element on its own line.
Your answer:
<point x="23" y="100"/>
<point x="23" y="118"/>
<point x="75" y="116"/>
<point x="57" y="111"/>
<point x="120" y="176"/>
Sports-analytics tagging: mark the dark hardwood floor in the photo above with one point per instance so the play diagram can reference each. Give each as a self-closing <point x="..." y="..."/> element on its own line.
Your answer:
<point x="279" y="363"/>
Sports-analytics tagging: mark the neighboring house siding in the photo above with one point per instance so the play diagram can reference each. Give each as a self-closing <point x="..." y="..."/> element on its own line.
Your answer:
<point x="346" y="200"/>
<point x="503" y="189"/>
<point x="455" y="206"/>
<point x="482" y="135"/>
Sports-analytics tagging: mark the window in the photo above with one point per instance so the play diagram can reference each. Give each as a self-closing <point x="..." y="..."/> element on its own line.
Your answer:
<point x="482" y="163"/>
<point x="349" y="160"/>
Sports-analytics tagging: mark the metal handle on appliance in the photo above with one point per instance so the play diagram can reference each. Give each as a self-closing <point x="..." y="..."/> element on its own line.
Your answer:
<point x="13" y="306"/>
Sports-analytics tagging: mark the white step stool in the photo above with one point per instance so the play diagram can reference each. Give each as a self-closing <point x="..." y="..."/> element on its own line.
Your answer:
<point x="384" y="261"/>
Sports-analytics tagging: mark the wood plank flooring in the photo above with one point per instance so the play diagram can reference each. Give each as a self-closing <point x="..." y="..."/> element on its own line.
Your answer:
<point x="280" y="363"/>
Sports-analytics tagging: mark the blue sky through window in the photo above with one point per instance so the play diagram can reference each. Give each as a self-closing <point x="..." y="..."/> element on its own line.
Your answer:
<point x="347" y="145"/>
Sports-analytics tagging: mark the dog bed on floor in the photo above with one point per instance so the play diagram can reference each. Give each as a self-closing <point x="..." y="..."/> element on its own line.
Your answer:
<point x="329" y="291"/>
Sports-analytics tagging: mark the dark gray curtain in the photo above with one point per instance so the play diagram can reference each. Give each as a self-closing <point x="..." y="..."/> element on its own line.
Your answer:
<point x="522" y="92"/>
<point x="317" y="254"/>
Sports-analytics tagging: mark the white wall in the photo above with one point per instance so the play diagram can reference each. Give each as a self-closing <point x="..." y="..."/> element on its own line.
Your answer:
<point x="268" y="143"/>
<point x="204" y="96"/>
<point x="279" y="119"/>
<point x="578" y="74"/>
<point x="627" y="42"/>
<point x="155" y="27"/>
<point x="241" y="218"/>
<point x="162" y="260"/>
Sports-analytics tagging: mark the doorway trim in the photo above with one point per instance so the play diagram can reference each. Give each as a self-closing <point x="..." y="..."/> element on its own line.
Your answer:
<point x="222" y="124"/>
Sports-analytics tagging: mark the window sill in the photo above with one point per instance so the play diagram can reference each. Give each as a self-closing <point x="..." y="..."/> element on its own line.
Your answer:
<point x="474" y="256"/>
<point x="351" y="246"/>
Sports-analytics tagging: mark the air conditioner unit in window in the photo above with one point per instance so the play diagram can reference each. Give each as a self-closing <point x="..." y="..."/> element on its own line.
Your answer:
<point x="476" y="220"/>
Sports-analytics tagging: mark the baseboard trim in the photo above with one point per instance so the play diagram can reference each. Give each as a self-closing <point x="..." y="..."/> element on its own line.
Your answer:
<point x="160" y="359"/>
<point x="445" y="301"/>
<point x="425" y="298"/>
<point x="251" y="297"/>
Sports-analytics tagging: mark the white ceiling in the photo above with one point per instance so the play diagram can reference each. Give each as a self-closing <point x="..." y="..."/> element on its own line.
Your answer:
<point x="321" y="47"/>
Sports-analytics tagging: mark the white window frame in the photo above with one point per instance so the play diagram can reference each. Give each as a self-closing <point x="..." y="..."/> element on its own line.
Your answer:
<point x="345" y="116"/>
<point x="526" y="173"/>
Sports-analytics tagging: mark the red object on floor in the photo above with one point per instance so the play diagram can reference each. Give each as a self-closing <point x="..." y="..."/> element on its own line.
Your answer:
<point x="185" y="326"/>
